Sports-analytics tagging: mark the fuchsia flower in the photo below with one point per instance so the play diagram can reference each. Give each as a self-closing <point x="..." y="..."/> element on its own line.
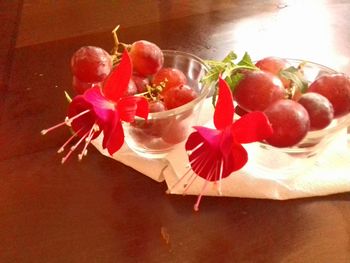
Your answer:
<point x="99" y="111"/>
<point x="215" y="153"/>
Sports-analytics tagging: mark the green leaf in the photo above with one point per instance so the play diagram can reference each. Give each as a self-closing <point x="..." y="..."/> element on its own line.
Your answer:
<point x="234" y="80"/>
<point x="247" y="61"/>
<point x="231" y="56"/>
<point x="294" y="74"/>
<point x="213" y="63"/>
<point x="211" y="76"/>
<point x="229" y="70"/>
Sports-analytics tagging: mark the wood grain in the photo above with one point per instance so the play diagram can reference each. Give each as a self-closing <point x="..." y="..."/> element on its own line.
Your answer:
<point x="9" y="19"/>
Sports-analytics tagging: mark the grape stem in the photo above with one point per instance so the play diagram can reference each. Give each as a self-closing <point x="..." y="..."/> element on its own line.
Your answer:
<point x="115" y="52"/>
<point x="115" y="36"/>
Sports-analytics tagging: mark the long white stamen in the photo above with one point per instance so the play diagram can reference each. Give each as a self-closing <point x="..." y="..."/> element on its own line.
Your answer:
<point x="220" y="176"/>
<point x="196" y="205"/>
<point x="67" y="121"/>
<point x="189" y="152"/>
<point x="205" y="158"/>
<point x="217" y="174"/>
<point x="193" y="179"/>
<point x="64" y="159"/>
<point x="201" y="166"/>
<point x="87" y="142"/>
<point x="68" y="141"/>
<point x="199" y="156"/>
<point x="70" y="120"/>
<point x="43" y="132"/>
<point x="188" y="170"/>
<point x="179" y="181"/>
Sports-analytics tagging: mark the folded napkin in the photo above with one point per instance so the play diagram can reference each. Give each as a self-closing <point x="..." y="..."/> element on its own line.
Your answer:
<point x="324" y="174"/>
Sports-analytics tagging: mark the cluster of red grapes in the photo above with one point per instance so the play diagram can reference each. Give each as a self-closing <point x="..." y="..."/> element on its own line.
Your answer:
<point x="291" y="111"/>
<point x="164" y="87"/>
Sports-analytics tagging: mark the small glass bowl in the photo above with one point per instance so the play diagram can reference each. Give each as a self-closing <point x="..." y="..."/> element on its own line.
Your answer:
<point x="294" y="159"/>
<point x="156" y="136"/>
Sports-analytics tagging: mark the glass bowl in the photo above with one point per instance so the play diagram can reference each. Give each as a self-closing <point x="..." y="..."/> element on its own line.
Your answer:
<point x="304" y="154"/>
<point x="156" y="136"/>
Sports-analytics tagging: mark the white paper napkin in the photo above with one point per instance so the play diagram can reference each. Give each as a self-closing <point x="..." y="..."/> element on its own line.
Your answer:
<point x="328" y="174"/>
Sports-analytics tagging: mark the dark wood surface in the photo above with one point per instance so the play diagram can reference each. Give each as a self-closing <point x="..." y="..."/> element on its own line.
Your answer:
<point x="100" y="210"/>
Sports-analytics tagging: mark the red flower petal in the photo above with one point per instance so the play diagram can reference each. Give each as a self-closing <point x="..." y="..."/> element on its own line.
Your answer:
<point x="142" y="108"/>
<point x="226" y="142"/>
<point x="102" y="106"/>
<point x="237" y="158"/>
<point x="130" y="106"/>
<point x="113" y="137"/>
<point x="84" y="123"/>
<point x="252" y="127"/>
<point x="209" y="135"/>
<point x="193" y="141"/>
<point x="203" y="157"/>
<point x="118" y="81"/>
<point x="217" y="157"/>
<point x="224" y="110"/>
<point x="234" y="156"/>
<point x="211" y="164"/>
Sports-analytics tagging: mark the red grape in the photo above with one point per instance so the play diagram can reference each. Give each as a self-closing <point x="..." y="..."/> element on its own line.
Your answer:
<point x="177" y="131"/>
<point x="151" y="127"/>
<point x="319" y="108"/>
<point x="290" y="122"/>
<point x="171" y="77"/>
<point x="156" y="106"/>
<point x="141" y="83"/>
<point x="91" y="64"/>
<point x="145" y="139"/>
<point x="274" y="65"/>
<point x="80" y="87"/>
<point x="147" y="58"/>
<point x="336" y="88"/>
<point x="257" y="90"/>
<point x="178" y="96"/>
<point x="132" y="89"/>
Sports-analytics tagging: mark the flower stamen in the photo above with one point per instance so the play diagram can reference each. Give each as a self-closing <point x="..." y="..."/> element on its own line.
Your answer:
<point x="220" y="176"/>
<point x="70" y="120"/>
<point x="87" y="142"/>
<point x="43" y="132"/>
<point x="196" y="205"/>
<point x="67" y="142"/>
<point x="67" y="121"/>
<point x="205" y="158"/>
<point x="64" y="159"/>
<point x="179" y="181"/>
<point x="193" y="178"/>
<point x="201" y="164"/>
<point x="189" y="152"/>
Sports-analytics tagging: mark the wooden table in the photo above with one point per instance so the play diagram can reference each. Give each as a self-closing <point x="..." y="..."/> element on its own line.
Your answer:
<point x="100" y="210"/>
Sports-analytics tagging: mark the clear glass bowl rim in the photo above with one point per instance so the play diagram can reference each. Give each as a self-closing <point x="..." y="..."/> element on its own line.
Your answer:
<point x="204" y="91"/>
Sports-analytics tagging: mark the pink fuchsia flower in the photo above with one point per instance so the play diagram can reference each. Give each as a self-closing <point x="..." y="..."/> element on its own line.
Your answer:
<point x="216" y="153"/>
<point x="99" y="111"/>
